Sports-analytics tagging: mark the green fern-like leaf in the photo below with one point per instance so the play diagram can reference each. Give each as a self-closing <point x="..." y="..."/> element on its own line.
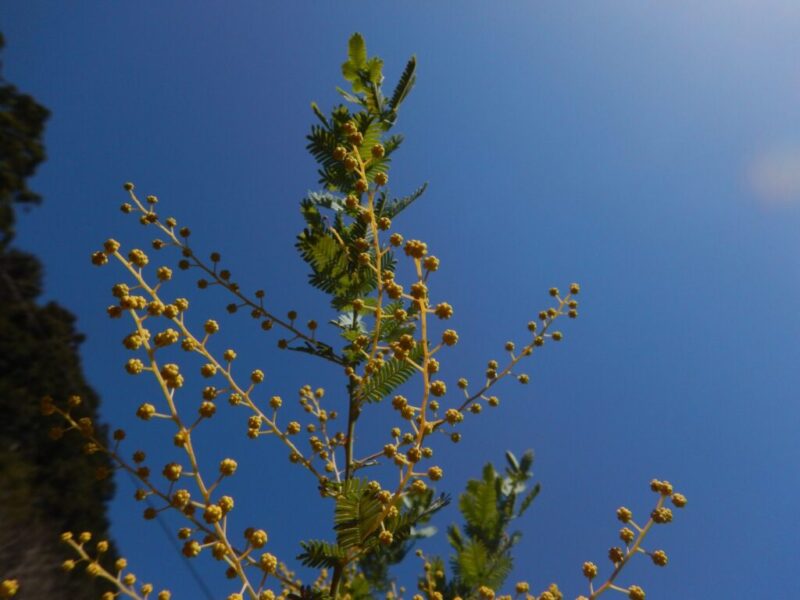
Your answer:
<point x="318" y="553"/>
<point x="355" y="516"/>
<point x="389" y="377"/>
<point x="404" y="84"/>
<point x="391" y="208"/>
<point x="529" y="498"/>
<point x="471" y="564"/>
<point x="479" y="505"/>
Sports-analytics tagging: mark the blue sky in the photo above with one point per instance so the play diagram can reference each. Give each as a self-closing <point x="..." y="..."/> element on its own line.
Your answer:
<point x="650" y="151"/>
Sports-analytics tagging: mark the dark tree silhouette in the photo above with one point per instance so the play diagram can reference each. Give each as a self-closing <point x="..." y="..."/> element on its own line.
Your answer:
<point x="46" y="486"/>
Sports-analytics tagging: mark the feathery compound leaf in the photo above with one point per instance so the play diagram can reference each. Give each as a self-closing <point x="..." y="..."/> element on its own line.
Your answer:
<point x="483" y="551"/>
<point x="529" y="498"/>
<point x="475" y="566"/>
<point x="479" y="507"/>
<point x="391" y="208"/>
<point x="405" y="527"/>
<point x="356" y="513"/>
<point x="318" y="553"/>
<point x="319" y="114"/>
<point x="357" y="50"/>
<point x="333" y="271"/>
<point x="470" y="565"/>
<point x="404" y="85"/>
<point x="389" y="377"/>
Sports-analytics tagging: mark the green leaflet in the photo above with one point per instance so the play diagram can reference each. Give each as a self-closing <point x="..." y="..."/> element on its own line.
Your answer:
<point x="334" y="270"/>
<point x="357" y="51"/>
<point x="391" y="208"/>
<point x="482" y="551"/>
<point x="416" y="510"/>
<point x="317" y="554"/>
<point x="475" y="566"/>
<point x="479" y="506"/>
<point x="404" y="85"/>
<point x="356" y="514"/>
<point x="392" y="375"/>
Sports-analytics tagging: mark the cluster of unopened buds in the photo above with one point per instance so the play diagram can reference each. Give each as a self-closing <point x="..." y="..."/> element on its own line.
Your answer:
<point x="124" y="580"/>
<point x="632" y="536"/>
<point x="405" y="449"/>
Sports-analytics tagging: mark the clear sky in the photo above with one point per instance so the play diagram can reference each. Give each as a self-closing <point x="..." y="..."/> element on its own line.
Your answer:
<point x="648" y="150"/>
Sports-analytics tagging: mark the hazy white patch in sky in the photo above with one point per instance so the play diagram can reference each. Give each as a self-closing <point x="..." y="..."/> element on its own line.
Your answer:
<point x="774" y="175"/>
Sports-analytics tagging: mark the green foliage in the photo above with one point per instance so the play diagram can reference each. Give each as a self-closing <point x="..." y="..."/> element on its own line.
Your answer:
<point x="356" y="516"/>
<point x="335" y="270"/>
<point x="488" y="505"/>
<point x="392" y="375"/>
<point x="334" y="243"/>
<point x="318" y="553"/>
<point x="332" y="229"/>
<point x="418" y="510"/>
<point x="22" y="122"/>
<point x="481" y="551"/>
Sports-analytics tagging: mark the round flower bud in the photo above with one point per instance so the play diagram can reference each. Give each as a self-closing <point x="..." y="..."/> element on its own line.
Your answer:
<point x="661" y="515"/>
<point x="486" y="592"/>
<point x="385" y="537"/>
<point x="624" y="514"/>
<point x="228" y="466"/>
<point x="226" y="504"/>
<point x="659" y="558"/>
<point x="191" y="548"/>
<point x="443" y="310"/>
<point x="449" y="337"/>
<point x="615" y="554"/>
<point x="212" y="514"/>
<point x="172" y="471"/>
<point x="435" y="473"/>
<point x="589" y="570"/>
<point x="258" y="538"/>
<point x="438" y="388"/>
<point x="268" y="562"/>
<point x="679" y="500"/>
<point x="635" y="593"/>
<point x="146" y="411"/>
